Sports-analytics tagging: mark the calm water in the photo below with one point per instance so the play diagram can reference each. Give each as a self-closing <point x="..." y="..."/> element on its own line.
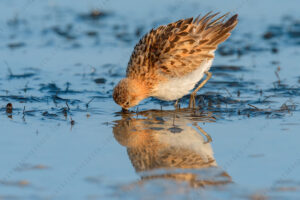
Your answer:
<point x="66" y="139"/>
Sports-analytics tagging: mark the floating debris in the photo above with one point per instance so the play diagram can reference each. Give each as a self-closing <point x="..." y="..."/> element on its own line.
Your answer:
<point x="100" y="80"/>
<point x="51" y="87"/>
<point x="294" y="29"/>
<point x="21" y="183"/>
<point x="268" y="35"/>
<point x="124" y="36"/>
<point x="19" y="76"/>
<point x="227" y="68"/>
<point x="9" y="108"/>
<point x="138" y="31"/>
<point x="92" y="33"/>
<point x="26" y="167"/>
<point x="94" y="15"/>
<point x="16" y="45"/>
<point x="288" y="31"/>
<point x="226" y="50"/>
<point x="47" y="114"/>
<point x="64" y="32"/>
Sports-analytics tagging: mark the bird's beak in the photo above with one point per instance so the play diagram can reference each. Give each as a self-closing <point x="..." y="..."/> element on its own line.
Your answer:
<point x="124" y="110"/>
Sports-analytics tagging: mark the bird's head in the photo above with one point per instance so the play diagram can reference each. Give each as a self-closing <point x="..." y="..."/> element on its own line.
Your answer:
<point x="129" y="93"/>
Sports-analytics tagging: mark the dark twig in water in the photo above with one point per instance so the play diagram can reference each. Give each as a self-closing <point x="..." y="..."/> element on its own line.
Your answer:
<point x="26" y="87"/>
<point x="23" y="114"/>
<point x="54" y="99"/>
<point x="8" y="68"/>
<point x="67" y="87"/>
<point x="253" y="106"/>
<point x="72" y="121"/>
<point x="266" y="98"/>
<point x="67" y="105"/>
<point x="9" y="71"/>
<point x="289" y="108"/>
<point x="65" y="112"/>
<point x="87" y="104"/>
<point x="277" y="74"/>
<point x="284" y="107"/>
<point x="228" y="92"/>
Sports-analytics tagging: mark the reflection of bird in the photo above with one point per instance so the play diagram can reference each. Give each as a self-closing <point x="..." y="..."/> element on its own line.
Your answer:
<point x="156" y="143"/>
<point x="169" y="61"/>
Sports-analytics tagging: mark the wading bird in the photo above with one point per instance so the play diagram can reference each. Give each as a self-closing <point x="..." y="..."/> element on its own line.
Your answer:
<point x="169" y="61"/>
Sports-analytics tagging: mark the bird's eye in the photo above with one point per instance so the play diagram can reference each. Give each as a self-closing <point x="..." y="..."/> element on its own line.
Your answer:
<point x="127" y="103"/>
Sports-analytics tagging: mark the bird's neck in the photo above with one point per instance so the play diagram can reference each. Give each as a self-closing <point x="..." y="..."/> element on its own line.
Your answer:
<point x="139" y="87"/>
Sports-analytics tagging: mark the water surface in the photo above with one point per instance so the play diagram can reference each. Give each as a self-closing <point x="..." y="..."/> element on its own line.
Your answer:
<point x="66" y="139"/>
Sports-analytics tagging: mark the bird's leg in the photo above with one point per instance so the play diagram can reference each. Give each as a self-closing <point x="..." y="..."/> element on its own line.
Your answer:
<point x="209" y="140"/>
<point x="193" y="94"/>
<point x="176" y="105"/>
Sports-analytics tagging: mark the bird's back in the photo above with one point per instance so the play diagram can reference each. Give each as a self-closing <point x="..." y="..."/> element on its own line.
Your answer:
<point x="179" y="48"/>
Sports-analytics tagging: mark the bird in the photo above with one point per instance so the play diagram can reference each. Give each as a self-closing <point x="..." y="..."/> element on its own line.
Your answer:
<point x="169" y="61"/>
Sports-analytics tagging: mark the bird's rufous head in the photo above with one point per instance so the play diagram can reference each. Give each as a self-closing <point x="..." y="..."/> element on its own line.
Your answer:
<point x="129" y="93"/>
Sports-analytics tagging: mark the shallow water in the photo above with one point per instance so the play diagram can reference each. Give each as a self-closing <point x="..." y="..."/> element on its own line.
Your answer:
<point x="66" y="139"/>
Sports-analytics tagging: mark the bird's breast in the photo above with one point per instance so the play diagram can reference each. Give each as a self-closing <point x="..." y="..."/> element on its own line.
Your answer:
<point x="177" y="87"/>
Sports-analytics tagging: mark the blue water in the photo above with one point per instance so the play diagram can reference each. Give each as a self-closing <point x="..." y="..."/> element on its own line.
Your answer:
<point x="66" y="138"/>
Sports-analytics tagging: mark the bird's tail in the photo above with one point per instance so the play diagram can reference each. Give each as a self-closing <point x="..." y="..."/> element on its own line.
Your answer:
<point x="215" y="30"/>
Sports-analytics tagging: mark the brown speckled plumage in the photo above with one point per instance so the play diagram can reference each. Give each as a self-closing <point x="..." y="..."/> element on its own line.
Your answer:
<point x="171" y="51"/>
<point x="147" y="152"/>
<point x="148" y="148"/>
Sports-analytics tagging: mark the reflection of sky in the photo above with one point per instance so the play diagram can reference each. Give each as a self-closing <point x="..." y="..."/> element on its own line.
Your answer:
<point x="255" y="152"/>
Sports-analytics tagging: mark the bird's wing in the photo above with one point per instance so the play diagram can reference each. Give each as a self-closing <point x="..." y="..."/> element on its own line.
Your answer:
<point x="180" y="47"/>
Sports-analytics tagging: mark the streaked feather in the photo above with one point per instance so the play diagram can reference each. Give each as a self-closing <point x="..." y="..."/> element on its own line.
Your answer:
<point x="178" y="48"/>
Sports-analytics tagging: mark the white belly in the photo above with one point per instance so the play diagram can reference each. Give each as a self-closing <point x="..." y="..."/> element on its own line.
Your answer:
<point x="176" y="88"/>
<point x="190" y="139"/>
